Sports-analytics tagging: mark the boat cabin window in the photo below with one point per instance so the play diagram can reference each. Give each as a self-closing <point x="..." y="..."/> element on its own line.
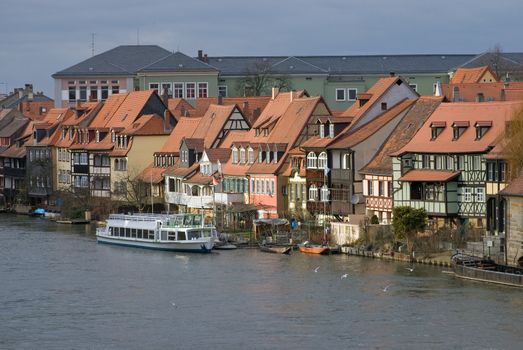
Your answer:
<point x="188" y="220"/>
<point x="110" y="231"/>
<point x="194" y="234"/>
<point x="197" y="220"/>
<point x="127" y="232"/>
<point x="133" y="233"/>
<point x="182" y="236"/>
<point x="164" y="235"/>
<point x="179" y="220"/>
<point x="171" y="235"/>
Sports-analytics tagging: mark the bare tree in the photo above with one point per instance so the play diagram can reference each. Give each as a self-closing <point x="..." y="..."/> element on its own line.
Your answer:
<point x="258" y="79"/>
<point x="513" y="143"/>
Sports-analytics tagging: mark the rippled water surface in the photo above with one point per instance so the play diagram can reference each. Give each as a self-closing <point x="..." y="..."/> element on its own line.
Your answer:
<point x="59" y="289"/>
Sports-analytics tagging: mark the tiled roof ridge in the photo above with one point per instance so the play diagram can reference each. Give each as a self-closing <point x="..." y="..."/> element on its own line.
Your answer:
<point x="341" y="55"/>
<point x="174" y="53"/>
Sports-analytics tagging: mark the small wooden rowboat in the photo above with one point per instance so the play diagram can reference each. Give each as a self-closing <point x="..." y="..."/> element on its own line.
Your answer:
<point x="274" y="249"/>
<point x="313" y="249"/>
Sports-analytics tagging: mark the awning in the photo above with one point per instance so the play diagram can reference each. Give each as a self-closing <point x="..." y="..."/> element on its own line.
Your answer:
<point x="429" y="175"/>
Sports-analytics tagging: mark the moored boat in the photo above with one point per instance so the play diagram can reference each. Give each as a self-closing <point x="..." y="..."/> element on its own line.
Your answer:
<point x="176" y="232"/>
<point x="313" y="248"/>
<point x="484" y="270"/>
<point x="275" y="249"/>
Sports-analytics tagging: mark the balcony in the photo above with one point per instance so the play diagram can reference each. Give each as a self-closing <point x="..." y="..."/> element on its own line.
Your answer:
<point x="100" y="170"/>
<point x="229" y="198"/>
<point x="378" y="203"/>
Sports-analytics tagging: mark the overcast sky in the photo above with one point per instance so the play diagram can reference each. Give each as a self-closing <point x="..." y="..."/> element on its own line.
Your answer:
<point x="41" y="37"/>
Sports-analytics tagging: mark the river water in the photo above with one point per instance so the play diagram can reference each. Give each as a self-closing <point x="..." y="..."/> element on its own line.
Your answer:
<point x="59" y="289"/>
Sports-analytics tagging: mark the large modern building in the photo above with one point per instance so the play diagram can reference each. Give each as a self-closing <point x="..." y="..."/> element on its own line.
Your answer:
<point x="337" y="78"/>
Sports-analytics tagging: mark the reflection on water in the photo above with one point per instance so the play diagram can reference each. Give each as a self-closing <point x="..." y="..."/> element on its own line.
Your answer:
<point x="60" y="289"/>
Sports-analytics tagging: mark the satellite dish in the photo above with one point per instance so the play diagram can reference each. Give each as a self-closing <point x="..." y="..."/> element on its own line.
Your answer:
<point x="355" y="199"/>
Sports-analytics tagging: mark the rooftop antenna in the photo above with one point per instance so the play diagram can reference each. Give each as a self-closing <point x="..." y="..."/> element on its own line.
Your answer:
<point x="92" y="43"/>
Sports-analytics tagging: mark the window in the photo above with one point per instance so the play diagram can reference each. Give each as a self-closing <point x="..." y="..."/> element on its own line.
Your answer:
<point x="185" y="156"/>
<point x="351" y="94"/>
<point x="120" y="164"/>
<point x="242" y="155"/>
<point x="384" y="106"/>
<point x="331" y="130"/>
<point x="480" y="97"/>
<point x="324" y="193"/>
<point x="252" y="186"/>
<point x="370" y="187"/>
<point x="346" y="161"/>
<point x="251" y="155"/>
<point x="449" y="163"/>
<point x="115" y="89"/>
<point x="322" y="160"/>
<point x="93" y="93"/>
<point x="416" y="190"/>
<point x="476" y="162"/>
<point x="268" y="156"/>
<point x="83" y="93"/>
<point x="467" y="194"/>
<point x="202" y="90"/>
<point x="425" y="161"/>
<point x="502" y="171"/>
<point x="190" y="90"/>
<point x="167" y="88"/>
<point x="455" y="94"/>
<point x="155" y="87"/>
<point x="71" y="82"/>
<point x="260" y="155"/>
<point x="272" y="186"/>
<point x="114" y="81"/>
<point x="258" y="188"/>
<point x="105" y="92"/>
<point x="313" y="193"/>
<point x="491" y="166"/>
<point x="311" y="160"/>
<point x="481" y="130"/>
<point x="480" y="194"/>
<point x="381" y="188"/>
<point x="340" y="94"/>
<point x="222" y="90"/>
<point x="235" y="155"/>
<point x="461" y="162"/>
<point x="439" y="162"/>
<point x="72" y="93"/>
<point x="322" y="131"/>
<point x="414" y="87"/>
<point x="178" y="90"/>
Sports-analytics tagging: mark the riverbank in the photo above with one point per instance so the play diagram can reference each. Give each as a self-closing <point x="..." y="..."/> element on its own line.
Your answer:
<point x="436" y="259"/>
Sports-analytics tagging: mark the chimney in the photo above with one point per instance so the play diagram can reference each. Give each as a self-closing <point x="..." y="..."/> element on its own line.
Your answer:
<point x="165" y="97"/>
<point x="275" y="92"/>
<point x="205" y="58"/>
<point x="200" y="55"/>
<point x="166" y="123"/>
<point x="392" y="74"/>
<point x="292" y="95"/>
<point x="220" y="100"/>
<point x="245" y="106"/>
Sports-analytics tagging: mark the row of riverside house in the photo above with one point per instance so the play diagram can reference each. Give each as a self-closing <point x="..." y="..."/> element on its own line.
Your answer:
<point x="287" y="154"/>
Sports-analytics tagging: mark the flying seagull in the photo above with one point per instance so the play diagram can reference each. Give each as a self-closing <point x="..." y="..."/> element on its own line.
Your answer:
<point x="411" y="269"/>
<point x="316" y="269"/>
<point x="344" y="276"/>
<point x="173" y="304"/>
<point x="387" y="287"/>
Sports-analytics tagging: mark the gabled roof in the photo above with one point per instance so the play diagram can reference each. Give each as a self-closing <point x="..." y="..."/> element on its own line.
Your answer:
<point x="218" y="154"/>
<point x="185" y="128"/>
<point x="248" y="105"/>
<point x="148" y="124"/>
<point x="471" y="75"/>
<point x="381" y="164"/>
<point x="177" y="62"/>
<point x="181" y="108"/>
<point x="122" y="60"/>
<point x="352" y="137"/>
<point x="468" y="92"/>
<point x="373" y="94"/>
<point x="121" y="110"/>
<point x="194" y="144"/>
<point x="151" y="174"/>
<point x="498" y="113"/>
<point x="212" y="123"/>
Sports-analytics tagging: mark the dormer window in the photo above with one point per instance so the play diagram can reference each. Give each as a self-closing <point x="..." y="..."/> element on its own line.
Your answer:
<point x="260" y="155"/>
<point x="275" y="156"/>
<point x="384" y="106"/>
<point x="64" y="132"/>
<point x="250" y="154"/>
<point x="311" y="160"/>
<point x="265" y="131"/>
<point x="97" y="136"/>
<point x="481" y="128"/>
<point x="331" y="130"/>
<point x="235" y="155"/>
<point x="257" y="132"/>
<point x="322" y="131"/>
<point x="268" y="156"/>
<point x="242" y="155"/>
<point x="113" y="137"/>
<point x="437" y="129"/>
<point x="459" y="128"/>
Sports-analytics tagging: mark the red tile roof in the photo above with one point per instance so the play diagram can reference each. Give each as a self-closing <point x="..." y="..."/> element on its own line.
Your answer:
<point x="502" y="91"/>
<point x="185" y="128"/>
<point x="381" y="164"/>
<point x="199" y="179"/>
<point x="496" y="112"/>
<point x="374" y="93"/>
<point x="350" y="138"/>
<point x="218" y="154"/>
<point x="429" y="175"/>
<point x="515" y="187"/>
<point x="149" y="124"/>
<point x="471" y="75"/>
<point x="151" y="174"/>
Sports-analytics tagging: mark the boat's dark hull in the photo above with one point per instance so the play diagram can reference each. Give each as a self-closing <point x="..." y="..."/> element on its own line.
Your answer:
<point x="275" y="250"/>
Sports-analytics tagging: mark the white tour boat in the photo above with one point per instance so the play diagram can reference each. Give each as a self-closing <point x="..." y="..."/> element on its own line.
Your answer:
<point x="175" y="232"/>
